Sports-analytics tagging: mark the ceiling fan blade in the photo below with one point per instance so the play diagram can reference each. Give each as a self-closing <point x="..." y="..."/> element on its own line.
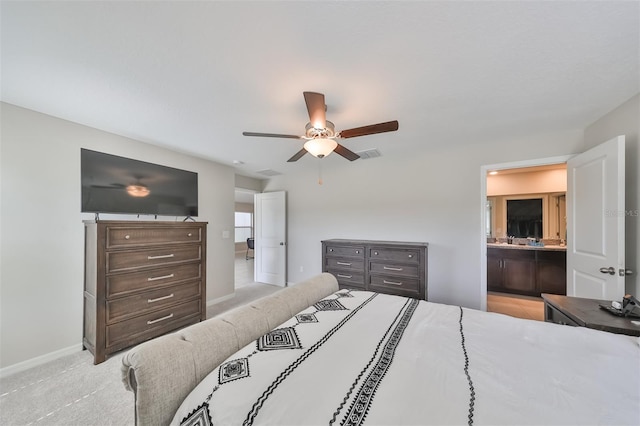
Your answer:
<point x="317" y="109"/>
<point x="297" y="155"/>
<point x="346" y="153"/>
<point x="271" y="135"/>
<point x="389" y="126"/>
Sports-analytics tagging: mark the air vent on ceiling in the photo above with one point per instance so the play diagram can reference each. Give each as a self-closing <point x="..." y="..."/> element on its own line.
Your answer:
<point x="369" y="153"/>
<point x="268" y="172"/>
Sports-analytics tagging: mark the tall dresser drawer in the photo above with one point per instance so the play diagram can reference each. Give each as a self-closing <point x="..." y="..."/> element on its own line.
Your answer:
<point x="140" y="303"/>
<point x="151" y="323"/>
<point x="144" y="236"/>
<point x="126" y="283"/>
<point x="123" y="260"/>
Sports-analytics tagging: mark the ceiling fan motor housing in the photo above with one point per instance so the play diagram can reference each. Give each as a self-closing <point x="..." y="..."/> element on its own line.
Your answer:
<point x="313" y="132"/>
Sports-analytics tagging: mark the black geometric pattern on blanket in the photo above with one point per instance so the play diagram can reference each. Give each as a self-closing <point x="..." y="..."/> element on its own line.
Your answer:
<point x="329" y="305"/>
<point x="199" y="417"/>
<point x="305" y="318"/>
<point x="364" y="398"/>
<point x="280" y="338"/>
<point x="233" y="370"/>
<point x="287" y="371"/>
<point x="346" y="294"/>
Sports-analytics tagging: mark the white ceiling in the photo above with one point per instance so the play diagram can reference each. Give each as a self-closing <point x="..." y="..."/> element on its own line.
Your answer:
<point x="192" y="76"/>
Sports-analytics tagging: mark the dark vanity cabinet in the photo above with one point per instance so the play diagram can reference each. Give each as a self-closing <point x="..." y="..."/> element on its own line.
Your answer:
<point x="551" y="270"/>
<point x="526" y="271"/>
<point x="511" y="271"/>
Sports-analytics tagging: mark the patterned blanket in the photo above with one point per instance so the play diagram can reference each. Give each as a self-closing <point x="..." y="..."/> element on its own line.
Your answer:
<point x="359" y="357"/>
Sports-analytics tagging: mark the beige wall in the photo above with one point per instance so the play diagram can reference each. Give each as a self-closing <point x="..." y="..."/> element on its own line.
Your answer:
<point x="42" y="235"/>
<point x="554" y="180"/>
<point x="413" y="197"/>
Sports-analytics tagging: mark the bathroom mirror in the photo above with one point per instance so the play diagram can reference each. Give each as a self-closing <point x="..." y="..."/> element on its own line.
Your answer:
<point x="527" y="216"/>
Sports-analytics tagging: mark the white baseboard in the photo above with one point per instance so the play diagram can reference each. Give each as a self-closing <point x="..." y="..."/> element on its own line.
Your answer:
<point x="220" y="299"/>
<point x="39" y="360"/>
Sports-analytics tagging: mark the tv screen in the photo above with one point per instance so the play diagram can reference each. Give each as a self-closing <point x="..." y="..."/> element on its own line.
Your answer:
<point x="112" y="184"/>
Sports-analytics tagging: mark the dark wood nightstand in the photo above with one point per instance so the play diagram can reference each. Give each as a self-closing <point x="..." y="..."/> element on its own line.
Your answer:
<point x="581" y="312"/>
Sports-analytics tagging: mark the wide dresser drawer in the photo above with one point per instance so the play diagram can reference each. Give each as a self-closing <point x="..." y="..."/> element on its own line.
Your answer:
<point x="152" y="324"/>
<point x="120" y="284"/>
<point x="395" y="254"/>
<point x="348" y="251"/>
<point x="131" y="236"/>
<point x="342" y="263"/>
<point x="348" y="279"/>
<point x="118" y="261"/>
<point x="147" y="301"/>
<point x="395" y="285"/>
<point x="394" y="269"/>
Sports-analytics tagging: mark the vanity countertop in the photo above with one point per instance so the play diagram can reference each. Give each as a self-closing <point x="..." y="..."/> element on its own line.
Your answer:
<point x="525" y="247"/>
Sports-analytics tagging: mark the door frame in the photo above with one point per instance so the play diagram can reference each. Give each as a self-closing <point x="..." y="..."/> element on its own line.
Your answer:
<point x="483" y="205"/>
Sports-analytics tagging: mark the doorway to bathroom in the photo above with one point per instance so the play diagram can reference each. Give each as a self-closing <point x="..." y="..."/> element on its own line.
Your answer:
<point x="525" y="231"/>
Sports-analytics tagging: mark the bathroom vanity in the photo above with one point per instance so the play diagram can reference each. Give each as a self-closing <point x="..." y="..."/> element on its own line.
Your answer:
<point x="526" y="270"/>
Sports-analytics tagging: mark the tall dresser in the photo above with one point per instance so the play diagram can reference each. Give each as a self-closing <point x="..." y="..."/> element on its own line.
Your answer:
<point x="391" y="267"/>
<point x="142" y="279"/>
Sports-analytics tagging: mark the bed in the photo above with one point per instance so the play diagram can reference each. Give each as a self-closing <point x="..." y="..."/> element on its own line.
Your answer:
<point x="357" y="357"/>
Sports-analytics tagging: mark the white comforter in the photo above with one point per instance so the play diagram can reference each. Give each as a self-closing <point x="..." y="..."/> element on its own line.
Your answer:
<point x="361" y="357"/>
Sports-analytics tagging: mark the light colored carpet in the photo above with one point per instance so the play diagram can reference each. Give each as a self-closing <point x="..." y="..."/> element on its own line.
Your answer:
<point x="72" y="391"/>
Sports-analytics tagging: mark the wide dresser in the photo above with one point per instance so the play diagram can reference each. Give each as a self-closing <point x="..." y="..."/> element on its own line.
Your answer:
<point x="391" y="267"/>
<point x="142" y="280"/>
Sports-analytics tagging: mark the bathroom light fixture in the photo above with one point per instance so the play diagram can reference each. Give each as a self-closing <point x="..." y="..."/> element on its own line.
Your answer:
<point x="493" y="172"/>
<point x="320" y="147"/>
<point x="138" y="190"/>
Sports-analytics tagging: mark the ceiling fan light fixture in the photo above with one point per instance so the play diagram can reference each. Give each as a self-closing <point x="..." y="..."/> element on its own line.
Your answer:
<point x="320" y="147"/>
<point x="138" y="190"/>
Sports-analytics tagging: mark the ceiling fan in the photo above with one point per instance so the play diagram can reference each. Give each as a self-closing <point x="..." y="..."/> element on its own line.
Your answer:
<point x="320" y="134"/>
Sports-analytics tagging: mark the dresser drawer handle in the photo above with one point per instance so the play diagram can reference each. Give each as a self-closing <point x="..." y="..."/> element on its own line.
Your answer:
<point x="389" y="268"/>
<point x="343" y="263"/>
<point x="410" y="256"/>
<point x="159" y="319"/>
<point x="160" y="298"/>
<point x="163" y="256"/>
<point x="160" y="278"/>
<point x="126" y="237"/>
<point x="189" y="234"/>
<point x="344" y="276"/>
<point x="391" y="282"/>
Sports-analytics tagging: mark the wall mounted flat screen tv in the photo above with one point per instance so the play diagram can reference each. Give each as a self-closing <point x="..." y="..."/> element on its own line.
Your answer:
<point x="112" y="184"/>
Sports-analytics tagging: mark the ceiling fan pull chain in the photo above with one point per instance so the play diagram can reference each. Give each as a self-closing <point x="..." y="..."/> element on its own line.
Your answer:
<point x="319" y="172"/>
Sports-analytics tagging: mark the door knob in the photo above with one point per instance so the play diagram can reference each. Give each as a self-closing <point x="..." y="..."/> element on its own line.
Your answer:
<point x="623" y="272"/>
<point x="610" y="270"/>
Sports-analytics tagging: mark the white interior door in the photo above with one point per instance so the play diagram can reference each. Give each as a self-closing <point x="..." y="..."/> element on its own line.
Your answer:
<point x="595" y="222"/>
<point x="270" y="264"/>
